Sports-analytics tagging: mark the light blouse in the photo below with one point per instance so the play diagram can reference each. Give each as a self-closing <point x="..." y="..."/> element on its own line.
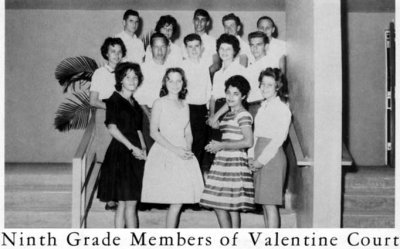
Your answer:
<point x="272" y="121"/>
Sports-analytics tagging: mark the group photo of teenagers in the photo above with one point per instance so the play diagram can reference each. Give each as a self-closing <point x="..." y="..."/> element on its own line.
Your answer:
<point x="199" y="114"/>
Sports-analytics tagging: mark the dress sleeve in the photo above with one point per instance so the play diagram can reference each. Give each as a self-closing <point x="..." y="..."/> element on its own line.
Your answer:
<point x="281" y="122"/>
<point x="245" y="119"/>
<point x="111" y="111"/>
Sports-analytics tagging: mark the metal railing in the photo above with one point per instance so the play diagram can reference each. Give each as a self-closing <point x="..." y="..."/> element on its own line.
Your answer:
<point x="84" y="176"/>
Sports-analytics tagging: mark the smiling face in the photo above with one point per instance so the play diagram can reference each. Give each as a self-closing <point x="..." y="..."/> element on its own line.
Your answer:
<point x="130" y="81"/>
<point x="234" y="97"/>
<point x="268" y="87"/>
<point x="200" y="24"/>
<point x="174" y="83"/>
<point x="131" y="24"/>
<point x="257" y="47"/>
<point x="114" y="54"/>
<point x="167" y="30"/>
<point x="226" y="52"/>
<point x="266" y="26"/>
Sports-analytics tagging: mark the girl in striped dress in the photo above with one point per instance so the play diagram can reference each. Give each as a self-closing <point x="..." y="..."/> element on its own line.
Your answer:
<point x="229" y="184"/>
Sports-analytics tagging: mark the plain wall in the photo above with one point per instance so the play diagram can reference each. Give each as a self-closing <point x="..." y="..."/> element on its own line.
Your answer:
<point x="365" y="86"/>
<point x="37" y="40"/>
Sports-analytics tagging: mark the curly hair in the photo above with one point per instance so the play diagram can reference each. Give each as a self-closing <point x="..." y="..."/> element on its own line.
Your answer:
<point x="241" y="84"/>
<point x="280" y="80"/>
<point x="122" y="69"/>
<point x="166" y="21"/>
<point x="231" y="40"/>
<point x="164" y="90"/>
<point x="110" y="41"/>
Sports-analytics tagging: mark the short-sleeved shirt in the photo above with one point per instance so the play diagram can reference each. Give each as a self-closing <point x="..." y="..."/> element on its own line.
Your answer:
<point x="149" y="90"/>
<point x="276" y="49"/>
<point x="218" y="87"/>
<point x="103" y="82"/>
<point x="134" y="47"/>
<point x="253" y="72"/>
<point x="198" y="82"/>
<point x="231" y="125"/>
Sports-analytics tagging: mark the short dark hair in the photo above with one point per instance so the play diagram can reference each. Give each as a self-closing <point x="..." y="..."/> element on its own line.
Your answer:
<point x="258" y="34"/>
<point x="121" y="71"/>
<point x="130" y="12"/>
<point x="232" y="16"/>
<point x="229" y="39"/>
<point x="164" y="90"/>
<point x="280" y="79"/>
<point x="111" y="41"/>
<point x="240" y="83"/>
<point x="166" y="21"/>
<point x="202" y="12"/>
<point x="158" y="35"/>
<point x="275" y="33"/>
<point x="191" y="37"/>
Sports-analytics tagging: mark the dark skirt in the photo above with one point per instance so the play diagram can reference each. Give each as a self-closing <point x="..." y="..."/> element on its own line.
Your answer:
<point x="270" y="179"/>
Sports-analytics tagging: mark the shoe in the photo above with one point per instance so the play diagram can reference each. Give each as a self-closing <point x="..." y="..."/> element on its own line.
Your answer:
<point x="111" y="207"/>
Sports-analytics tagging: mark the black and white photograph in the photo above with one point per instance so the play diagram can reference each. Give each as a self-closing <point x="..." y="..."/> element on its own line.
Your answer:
<point x="199" y="114"/>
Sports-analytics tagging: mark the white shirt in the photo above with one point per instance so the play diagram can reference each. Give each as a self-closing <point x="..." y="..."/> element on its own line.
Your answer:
<point x="272" y="121"/>
<point x="134" y="47"/>
<point x="244" y="48"/>
<point x="253" y="72"/>
<point x="174" y="57"/>
<point x="210" y="48"/>
<point x="103" y="82"/>
<point x="218" y="88"/>
<point x="276" y="49"/>
<point x="149" y="90"/>
<point x="198" y="82"/>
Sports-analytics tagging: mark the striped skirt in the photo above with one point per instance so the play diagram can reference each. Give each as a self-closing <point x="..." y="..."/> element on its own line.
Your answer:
<point x="229" y="184"/>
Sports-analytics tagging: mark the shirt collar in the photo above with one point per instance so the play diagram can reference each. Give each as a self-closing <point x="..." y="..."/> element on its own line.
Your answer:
<point x="109" y="68"/>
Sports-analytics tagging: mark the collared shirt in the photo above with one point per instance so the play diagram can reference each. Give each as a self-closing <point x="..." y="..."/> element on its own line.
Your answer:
<point x="174" y="57"/>
<point x="198" y="82"/>
<point x="103" y="82"/>
<point x="253" y="72"/>
<point x="149" y="90"/>
<point x="276" y="49"/>
<point x="218" y="88"/>
<point x="272" y="121"/>
<point x="134" y="47"/>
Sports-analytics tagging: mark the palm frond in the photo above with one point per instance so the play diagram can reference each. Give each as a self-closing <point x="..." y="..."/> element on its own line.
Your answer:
<point x="75" y="70"/>
<point x="73" y="114"/>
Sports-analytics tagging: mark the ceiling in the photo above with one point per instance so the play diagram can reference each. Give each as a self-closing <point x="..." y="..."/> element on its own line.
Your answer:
<point x="213" y="5"/>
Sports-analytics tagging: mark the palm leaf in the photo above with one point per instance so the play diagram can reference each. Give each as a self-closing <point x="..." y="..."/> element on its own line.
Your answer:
<point x="73" y="114"/>
<point x="75" y="70"/>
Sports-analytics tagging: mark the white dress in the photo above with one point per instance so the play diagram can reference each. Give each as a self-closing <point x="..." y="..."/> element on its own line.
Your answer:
<point x="168" y="178"/>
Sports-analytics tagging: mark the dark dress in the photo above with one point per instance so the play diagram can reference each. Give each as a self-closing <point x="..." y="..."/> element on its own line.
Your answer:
<point x="121" y="173"/>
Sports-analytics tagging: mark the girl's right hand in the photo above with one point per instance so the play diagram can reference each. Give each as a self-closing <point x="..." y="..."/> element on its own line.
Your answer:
<point x="138" y="153"/>
<point x="183" y="153"/>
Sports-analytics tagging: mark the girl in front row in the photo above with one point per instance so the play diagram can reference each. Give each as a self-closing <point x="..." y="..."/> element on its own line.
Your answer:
<point x="172" y="174"/>
<point x="122" y="169"/>
<point x="271" y="127"/>
<point x="229" y="185"/>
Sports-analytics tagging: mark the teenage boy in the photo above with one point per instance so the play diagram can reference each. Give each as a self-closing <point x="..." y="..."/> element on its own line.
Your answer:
<point x="199" y="92"/>
<point x="153" y="71"/>
<point x="258" y="45"/>
<point x="233" y="25"/>
<point x="134" y="45"/>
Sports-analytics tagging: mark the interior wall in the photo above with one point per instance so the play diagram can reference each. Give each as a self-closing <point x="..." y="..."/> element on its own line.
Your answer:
<point x="365" y="86"/>
<point x="37" y="40"/>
